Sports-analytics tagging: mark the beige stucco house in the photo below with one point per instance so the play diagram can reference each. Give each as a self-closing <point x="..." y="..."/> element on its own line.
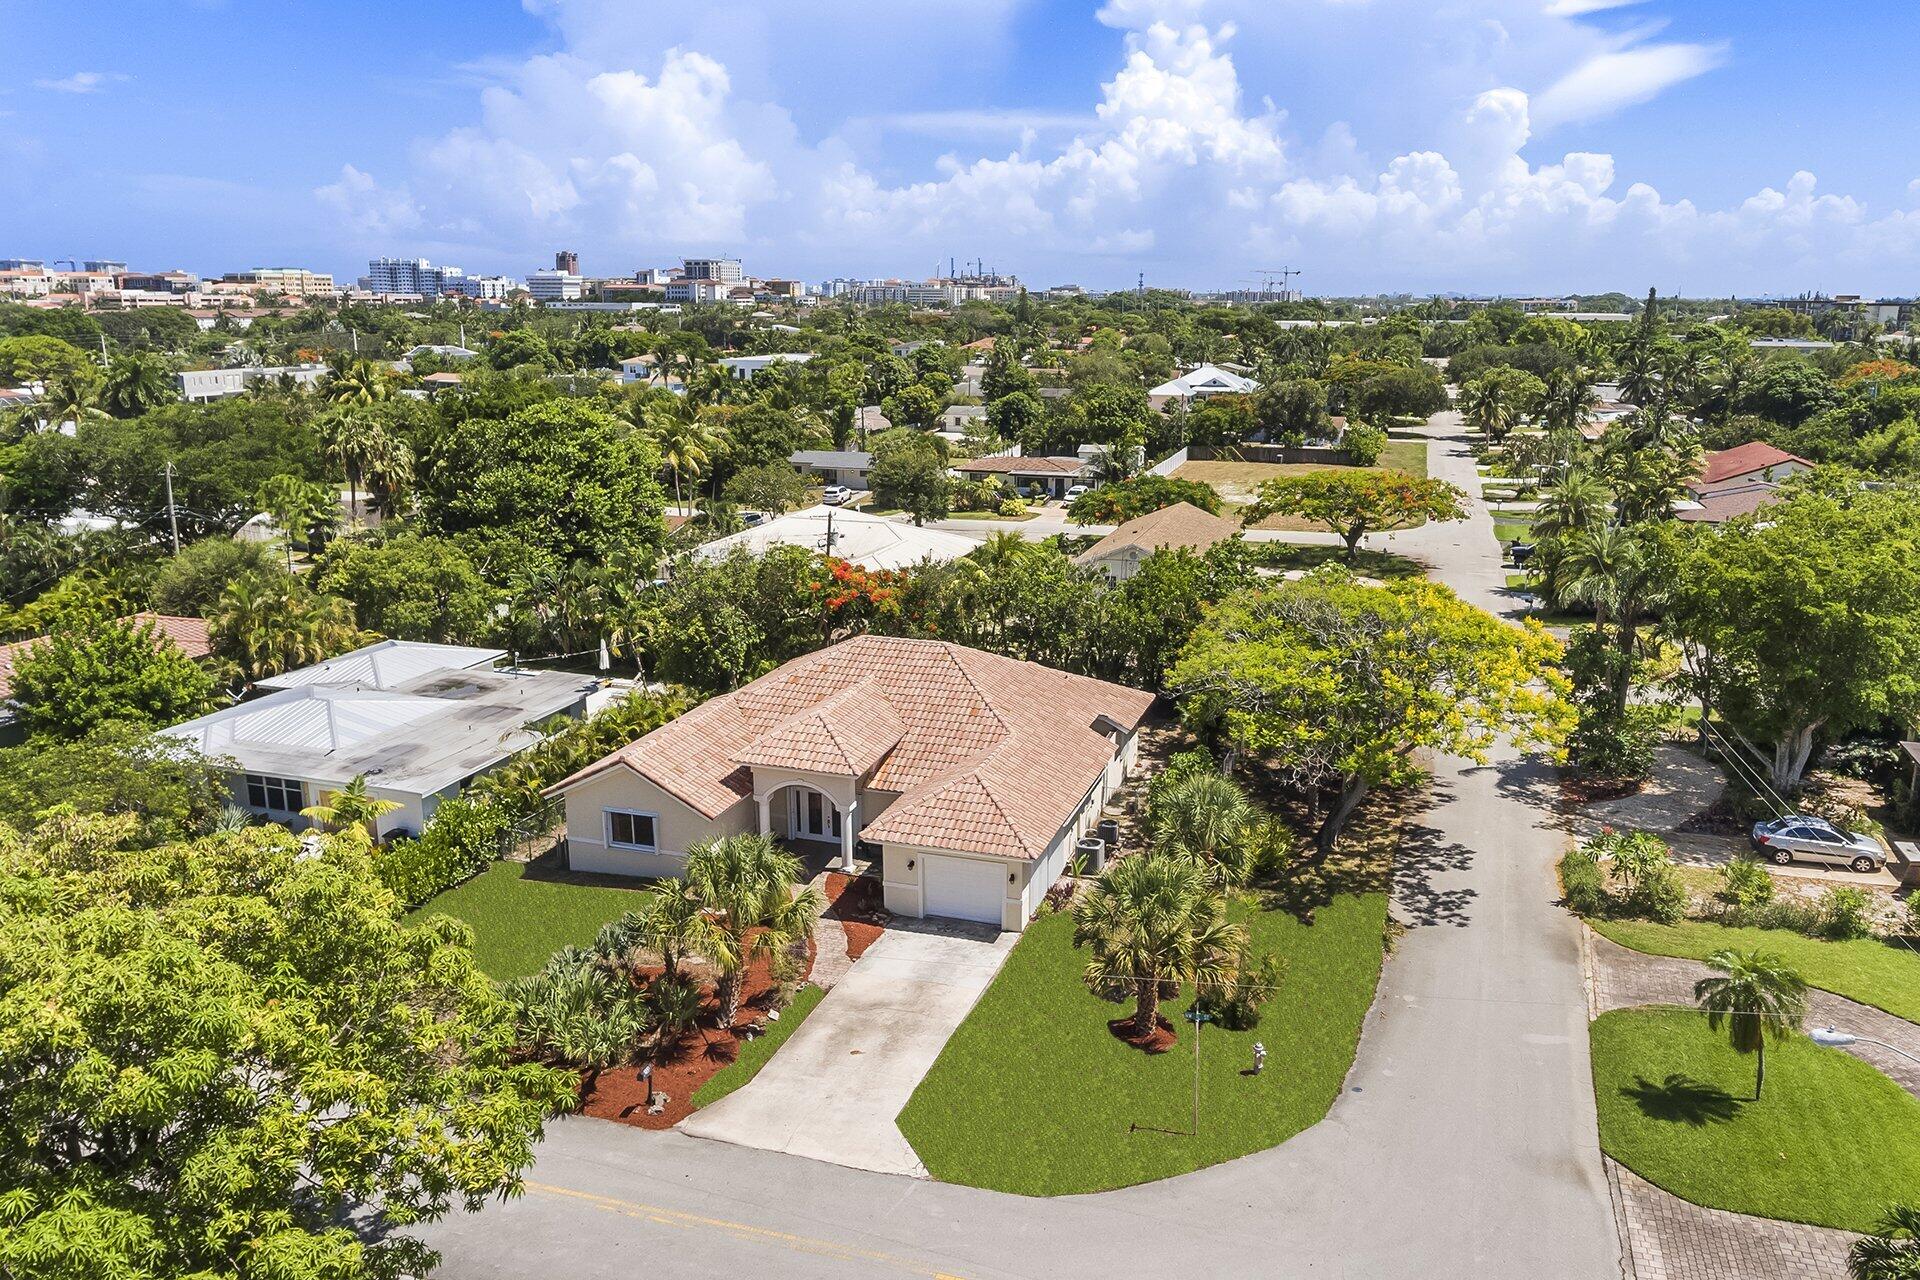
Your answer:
<point x="965" y="776"/>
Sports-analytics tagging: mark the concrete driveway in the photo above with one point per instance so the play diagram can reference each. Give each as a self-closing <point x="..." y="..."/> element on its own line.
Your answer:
<point x="832" y="1091"/>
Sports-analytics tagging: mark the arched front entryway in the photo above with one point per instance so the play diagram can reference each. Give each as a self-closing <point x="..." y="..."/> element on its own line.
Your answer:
<point x="810" y="819"/>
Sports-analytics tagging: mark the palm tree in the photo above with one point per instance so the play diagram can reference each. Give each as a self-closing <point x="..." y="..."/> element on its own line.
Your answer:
<point x="299" y="507"/>
<point x="686" y="444"/>
<point x="1757" y="998"/>
<point x="72" y="396"/>
<point x="357" y="382"/>
<point x="349" y="809"/>
<point x="670" y="923"/>
<point x="1578" y="503"/>
<point x="1892" y="1252"/>
<point x="1204" y="818"/>
<point x="355" y="442"/>
<point x="1612" y="567"/>
<point x="135" y="383"/>
<point x="1487" y="408"/>
<point x="1569" y="400"/>
<point x="745" y="885"/>
<point x="270" y="627"/>
<point x="1153" y="923"/>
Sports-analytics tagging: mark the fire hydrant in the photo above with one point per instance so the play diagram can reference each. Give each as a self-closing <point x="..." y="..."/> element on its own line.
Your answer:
<point x="1259" y="1057"/>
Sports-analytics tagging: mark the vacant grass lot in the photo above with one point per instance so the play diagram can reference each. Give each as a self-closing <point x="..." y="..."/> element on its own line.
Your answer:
<point x="754" y="1053"/>
<point x="1284" y="556"/>
<point x="1236" y="481"/>
<point x="1885" y="975"/>
<point x="1830" y="1142"/>
<point x="518" y="922"/>
<point x="1033" y="1095"/>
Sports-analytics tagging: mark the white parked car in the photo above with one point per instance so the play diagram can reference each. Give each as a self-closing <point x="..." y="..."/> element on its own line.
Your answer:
<point x="1076" y="490"/>
<point x="835" y="494"/>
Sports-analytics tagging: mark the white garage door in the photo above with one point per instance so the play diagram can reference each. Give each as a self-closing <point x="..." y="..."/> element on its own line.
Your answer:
<point x="965" y="889"/>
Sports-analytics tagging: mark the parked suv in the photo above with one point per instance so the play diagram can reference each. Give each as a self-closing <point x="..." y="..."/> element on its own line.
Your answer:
<point x="1807" y="839"/>
<point x="835" y="494"/>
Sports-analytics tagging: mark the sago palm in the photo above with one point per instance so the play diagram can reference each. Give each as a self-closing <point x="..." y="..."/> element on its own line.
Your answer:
<point x="1892" y="1252"/>
<point x="1151" y="923"/>
<point x="1756" y="998"/>
<point x="745" y="885"/>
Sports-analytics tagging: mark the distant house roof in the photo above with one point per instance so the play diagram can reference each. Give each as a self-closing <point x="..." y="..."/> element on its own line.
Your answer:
<point x="387" y="665"/>
<point x="1014" y="465"/>
<point x="872" y="542"/>
<point x="1716" y="504"/>
<point x="1181" y="525"/>
<point x="189" y="635"/>
<point x="986" y="754"/>
<point x="443" y="379"/>
<point x="838" y="459"/>
<point x="1207" y="380"/>
<point x="1746" y="459"/>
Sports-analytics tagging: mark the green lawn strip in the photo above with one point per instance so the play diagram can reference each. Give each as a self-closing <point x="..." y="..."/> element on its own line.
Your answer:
<point x="987" y="515"/>
<point x="1371" y="564"/>
<point x="1511" y="530"/>
<point x="1404" y="455"/>
<point x="1830" y="1141"/>
<point x="754" y="1054"/>
<point x="1032" y="1095"/>
<point x="1885" y="975"/>
<point x="517" y="923"/>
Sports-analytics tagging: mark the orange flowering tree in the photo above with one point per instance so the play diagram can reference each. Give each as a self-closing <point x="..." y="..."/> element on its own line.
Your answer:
<point x="847" y="597"/>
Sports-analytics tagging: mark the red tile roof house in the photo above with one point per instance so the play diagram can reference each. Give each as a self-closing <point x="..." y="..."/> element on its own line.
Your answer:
<point x="1739" y="481"/>
<point x="971" y="774"/>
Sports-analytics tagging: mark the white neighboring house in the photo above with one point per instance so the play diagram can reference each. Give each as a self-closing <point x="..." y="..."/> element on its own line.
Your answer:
<point x="872" y="542"/>
<point x="218" y="384"/>
<point x="418" y="721"/>
<point x="1198" y="384"/>
<point x="646" y="369"/>
<point x="747" y="366"/>
<point x="967" y="776"/>
<point x="848" y="467"/>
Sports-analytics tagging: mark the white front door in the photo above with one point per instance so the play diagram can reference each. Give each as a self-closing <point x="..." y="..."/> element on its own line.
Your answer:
<point x="815" y="817"/>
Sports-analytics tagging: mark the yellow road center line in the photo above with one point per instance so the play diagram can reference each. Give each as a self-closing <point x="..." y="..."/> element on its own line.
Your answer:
<point x="740" y="1230"/>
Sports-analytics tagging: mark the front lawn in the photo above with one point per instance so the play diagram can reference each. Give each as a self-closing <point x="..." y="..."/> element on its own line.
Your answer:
<point x="518" y="922"/>
<point x="1385" y="565"/>
<point x="1885" y="975"/>
<point x="1830" y="1142"/>
<point x="755" y="1052"/>
<point x="1033" y="1095"/>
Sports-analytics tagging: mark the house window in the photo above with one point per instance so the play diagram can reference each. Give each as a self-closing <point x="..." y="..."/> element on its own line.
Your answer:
<point x="627" y="830"/>
<point x="275" y="795"/>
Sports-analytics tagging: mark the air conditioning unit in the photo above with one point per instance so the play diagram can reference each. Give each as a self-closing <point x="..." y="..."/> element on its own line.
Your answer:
<point x="1092" y="853"/>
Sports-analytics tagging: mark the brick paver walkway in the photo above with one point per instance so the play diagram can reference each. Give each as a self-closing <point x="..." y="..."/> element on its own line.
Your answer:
<point x="1666" y="1238"/>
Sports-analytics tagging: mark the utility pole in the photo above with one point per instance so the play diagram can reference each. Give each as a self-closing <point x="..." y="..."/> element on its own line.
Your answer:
<point x="173" y="518"/>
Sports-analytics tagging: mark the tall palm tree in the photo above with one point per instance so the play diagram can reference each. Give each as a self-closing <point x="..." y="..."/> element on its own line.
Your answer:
<point x="355" y="442"/>
<point x="135" y="383"/>
<point x="359" y="383"/>
<point x="1892" y="1252"/>
<point x="1613" y="568"/>
<point x="72" y="396"/>
<point x="1738" y="365"/>
<point x="1487" y="408"/>
<point x="1578" y="503"/>
<point x="1757" y="998"/>
<point x="745" y="885"/>
<point x="1204" y="818"/>
<point x="687" y="445"/>
<point x="1569" y="400"/>
<point x="1152" y="923"/>
<point x="300" y="507"/>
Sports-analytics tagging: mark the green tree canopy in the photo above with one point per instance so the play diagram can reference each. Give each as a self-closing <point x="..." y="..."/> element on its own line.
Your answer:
<point x="1125" y="499"/>
<point x="215" y="1052"/>
<point x="1354" y="502"/>
<point x="410" y="586"/>
<point x="910" y="472"/>
<point x="168" y="786"/>
<point x="1338" y="684"/>
<point x="94" y="671"/>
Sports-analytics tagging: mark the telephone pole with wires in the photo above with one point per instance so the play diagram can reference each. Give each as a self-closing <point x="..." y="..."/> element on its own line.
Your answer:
<point x="173" y="516"/>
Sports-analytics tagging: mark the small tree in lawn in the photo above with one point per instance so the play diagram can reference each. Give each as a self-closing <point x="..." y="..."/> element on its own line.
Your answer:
<point x="1152" y="923"/>
<point x="670" y="922"/>
<point x="1756" y="998"/>
<point x="349" y="810"/>
<point x="1339" y="684"/>
<point x="1354" y="503"/>
<point x="910" y="472"/>
<point x="745" y="885"/>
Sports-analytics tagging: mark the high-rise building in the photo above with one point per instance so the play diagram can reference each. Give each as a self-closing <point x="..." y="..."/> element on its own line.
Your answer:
<point x="568" y="261"/>
<point x="726" y="270"/>
<point x="554" y="286"/>
<point x="105" y="266"/>
<point x="414" y="275"/>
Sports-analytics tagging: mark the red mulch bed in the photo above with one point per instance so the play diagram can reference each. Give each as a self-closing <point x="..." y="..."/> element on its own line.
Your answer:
<point x="1577" y="789"/>
<point x="1162" y="1039"/>
<point x="856" y="902"/>
<point x="679" y="1069"/>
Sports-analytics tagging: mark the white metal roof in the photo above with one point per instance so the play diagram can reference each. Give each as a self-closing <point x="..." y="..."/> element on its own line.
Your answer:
<point x="386" y="665"/>
<point x="872" y="542"/>
<point x="1208" y="379"/>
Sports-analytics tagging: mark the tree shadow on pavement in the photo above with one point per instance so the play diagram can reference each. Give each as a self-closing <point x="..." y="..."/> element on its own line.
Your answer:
<point x="1426" y="854"/>
<point x="1681" y="1099"/>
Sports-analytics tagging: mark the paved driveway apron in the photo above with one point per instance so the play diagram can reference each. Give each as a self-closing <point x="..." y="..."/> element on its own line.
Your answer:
<point x="833" y="1090"/>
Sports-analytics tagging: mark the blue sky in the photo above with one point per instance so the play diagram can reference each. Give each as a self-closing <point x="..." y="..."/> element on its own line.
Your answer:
<point x="1472" y="145"/>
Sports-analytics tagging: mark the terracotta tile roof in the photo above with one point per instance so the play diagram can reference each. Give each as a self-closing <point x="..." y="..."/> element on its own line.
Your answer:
<point x="189" y="635"/>
<point x="1022" y="466"/>
<point x="846" y="734"/>
<point x="1720" y="503"/>
<point x="1180" y="525"/>
<point x="1754" y="455"/>
<point x="992" y="755"/>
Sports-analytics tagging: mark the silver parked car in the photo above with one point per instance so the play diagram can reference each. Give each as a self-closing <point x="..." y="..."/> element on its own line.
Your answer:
<point x="835" y="494"/>
<point x="1808" y="839"/>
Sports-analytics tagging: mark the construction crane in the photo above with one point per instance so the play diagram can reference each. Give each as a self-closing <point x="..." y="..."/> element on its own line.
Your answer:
<point x="1282" y="274"/>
